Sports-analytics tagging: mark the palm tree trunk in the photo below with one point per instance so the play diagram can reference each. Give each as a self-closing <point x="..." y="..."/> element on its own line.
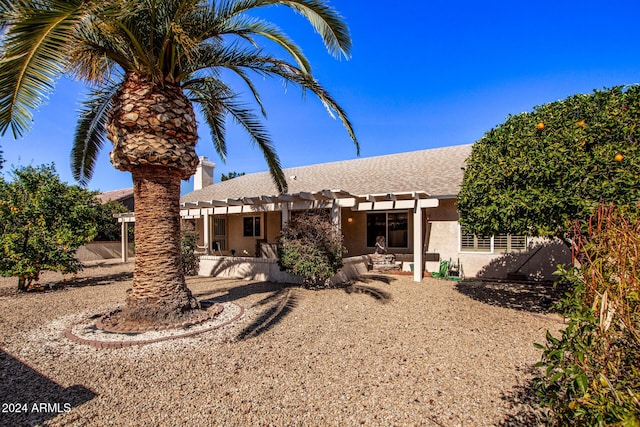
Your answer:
<point x="153" y="130"/>
<point x="159" y="291"/>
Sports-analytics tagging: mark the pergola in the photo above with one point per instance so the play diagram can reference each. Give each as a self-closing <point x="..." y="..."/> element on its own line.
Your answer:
<point x="335" y="200"/>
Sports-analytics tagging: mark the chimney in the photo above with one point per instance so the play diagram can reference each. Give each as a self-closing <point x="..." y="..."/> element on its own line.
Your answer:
<point x="204" y="173"/>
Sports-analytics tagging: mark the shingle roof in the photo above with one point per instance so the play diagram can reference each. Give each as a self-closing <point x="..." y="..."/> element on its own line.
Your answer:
<point x="437" y="171"/>
<point x="116" y="195"/>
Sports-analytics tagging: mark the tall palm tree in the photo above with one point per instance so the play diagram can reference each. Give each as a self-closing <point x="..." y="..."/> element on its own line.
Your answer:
<point x="148" y="62"/>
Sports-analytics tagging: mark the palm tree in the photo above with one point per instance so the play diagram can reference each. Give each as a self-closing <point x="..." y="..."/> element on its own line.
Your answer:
<point x="148" y="62"/>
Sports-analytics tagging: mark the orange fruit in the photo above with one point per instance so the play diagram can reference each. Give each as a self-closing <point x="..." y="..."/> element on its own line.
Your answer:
<point x="540" y="126"/>
<point x="581" y="123"/>
<point x="618" y="158"/>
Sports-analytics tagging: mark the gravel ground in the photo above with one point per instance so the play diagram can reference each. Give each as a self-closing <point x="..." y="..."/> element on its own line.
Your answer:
<point x="384" y="352"/>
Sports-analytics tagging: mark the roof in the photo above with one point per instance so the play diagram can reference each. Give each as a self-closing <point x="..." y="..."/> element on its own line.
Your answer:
<point x="437" y="172"/>
<point x="117" y="195"/>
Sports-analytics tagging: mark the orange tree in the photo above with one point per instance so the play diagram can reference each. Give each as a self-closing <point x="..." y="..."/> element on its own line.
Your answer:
<point x="43" y="221"/>
<point x="539" y="171"/>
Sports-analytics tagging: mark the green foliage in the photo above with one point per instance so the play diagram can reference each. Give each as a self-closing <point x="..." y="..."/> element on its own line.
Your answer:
<point x="190" y="261"/>
<point x="592" y="375"/>
<point x="108" y="228"/>
<point x="43" y="222"/>
<point x="311" y="247"/>
<point x="186" y="43"/>
<point x="538" y="172"/>
<point x="231" y="175"/>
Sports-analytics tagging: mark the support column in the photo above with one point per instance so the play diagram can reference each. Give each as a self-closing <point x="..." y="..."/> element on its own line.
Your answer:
<point x="418" y="255"/>
<point x="124" y="240"/>
<point x="207" y="233"/>
<point x="336" y="215"/>
<point x="285" y="214"/>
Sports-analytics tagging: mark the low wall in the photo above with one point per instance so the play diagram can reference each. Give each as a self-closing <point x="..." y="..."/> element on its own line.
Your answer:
<point x="96" y="251"/>
<point x="267" y="269"/>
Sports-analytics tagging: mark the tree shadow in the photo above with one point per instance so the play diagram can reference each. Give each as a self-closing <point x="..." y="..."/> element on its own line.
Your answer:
<point x="377" y="294"/>
<point x="370" y="278"/>
<point x="106" y="279"/>
<point x="538" y="262"/>
<point x="32" y="398"/>
<point x="526" y="408"/>
<point x="534" y="297"/>
<point x="278" y="305"/>
<point x="280" y="300"/>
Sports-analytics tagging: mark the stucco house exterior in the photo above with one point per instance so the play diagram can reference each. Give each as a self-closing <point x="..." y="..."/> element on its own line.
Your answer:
<point x="408" y="198"/>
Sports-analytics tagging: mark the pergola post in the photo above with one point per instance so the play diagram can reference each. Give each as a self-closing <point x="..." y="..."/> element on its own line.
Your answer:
<point x="418" y="257"/>
<point x="207" y="232"/>
<point x="336" y="215"/>
<point x="285" y="214"/>
<point x="124" y="240"/>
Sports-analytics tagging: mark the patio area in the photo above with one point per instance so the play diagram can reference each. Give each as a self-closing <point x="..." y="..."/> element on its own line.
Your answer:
<point x="384" y="351"/>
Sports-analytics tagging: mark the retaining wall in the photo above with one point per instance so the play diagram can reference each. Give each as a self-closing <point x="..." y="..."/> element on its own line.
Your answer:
<point x="267" y="269"/>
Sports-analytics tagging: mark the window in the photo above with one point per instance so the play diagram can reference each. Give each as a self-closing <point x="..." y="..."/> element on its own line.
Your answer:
<point x="251" y="226"/>
<point x="393" y="226"/>
<point x="490" y="244"/>
<point x="220" y="234"/>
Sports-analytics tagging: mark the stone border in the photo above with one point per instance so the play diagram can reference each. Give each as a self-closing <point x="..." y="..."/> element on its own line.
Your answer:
<point x="124" y="344"/>
<point x="209" y="314"/>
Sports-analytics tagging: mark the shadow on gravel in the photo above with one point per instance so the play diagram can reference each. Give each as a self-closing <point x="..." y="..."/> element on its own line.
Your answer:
<point x="532" y="297"/>
<point x="375" y="293"/>
<point x="107" y="279"/>
<point x="524" y="404"/>
<point x="370" y="278"/>
<point x="281" y="299"/>
<point x="81" y="282"/>
<point x="30" y="398"/>
<point x="279" y="304"/>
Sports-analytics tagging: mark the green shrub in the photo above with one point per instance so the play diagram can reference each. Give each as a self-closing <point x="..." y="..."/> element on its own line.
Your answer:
<point x="108" y="228"/>
<point x="592" y="372"/>
<point x="43" y="221"/>
<point x="311" y="247"/>
<point x="540" y="171"/>
<point x="190" y="261"/>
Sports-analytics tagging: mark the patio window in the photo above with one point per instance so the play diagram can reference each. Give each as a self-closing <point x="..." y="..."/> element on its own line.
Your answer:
<point x="393" y="226"/>
<point x="504" y="243"/>
<point x="220" y="233"/>
<point x="251" y="226"/>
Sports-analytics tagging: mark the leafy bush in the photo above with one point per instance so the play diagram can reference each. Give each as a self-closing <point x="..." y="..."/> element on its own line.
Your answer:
<point x="311" y="247"/>
<point x="43" y="222"/>
<point x="540" y="171"/>
<point x="108" y="229"/>
<point x="592" y="374"/>
<point x="190" y="261"/>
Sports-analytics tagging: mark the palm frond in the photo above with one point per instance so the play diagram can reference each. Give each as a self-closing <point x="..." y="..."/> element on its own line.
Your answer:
<point x="246" y="26"/>
<point x="34" y="52"/>
<point x="216" y="100"/>
<point x="91" y="132"/>
<point x="259" y="136"/>
<point x="325" y="20"/>
<point x="209" y="94"/>
<point x="306" y="81"/>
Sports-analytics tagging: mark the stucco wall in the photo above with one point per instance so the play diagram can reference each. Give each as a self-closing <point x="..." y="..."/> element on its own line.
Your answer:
<point x="537" y="263"/>
<point x="267" y="269"/>
<point x="96" y="251"/>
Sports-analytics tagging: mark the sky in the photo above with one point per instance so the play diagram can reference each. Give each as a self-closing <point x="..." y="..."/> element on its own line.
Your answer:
<point x="422" y="74"/>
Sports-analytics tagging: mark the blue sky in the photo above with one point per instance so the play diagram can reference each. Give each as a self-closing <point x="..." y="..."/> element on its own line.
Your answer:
<point x="423" y="74"/>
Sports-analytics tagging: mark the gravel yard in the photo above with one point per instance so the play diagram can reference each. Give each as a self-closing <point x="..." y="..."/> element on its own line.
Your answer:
<point x="384" y="352"/>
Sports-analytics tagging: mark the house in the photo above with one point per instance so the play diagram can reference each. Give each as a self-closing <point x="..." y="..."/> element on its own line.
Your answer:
<point x="98" y="250"/>
<point x="124" y="196"/>
<point x="407" y="198"/>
